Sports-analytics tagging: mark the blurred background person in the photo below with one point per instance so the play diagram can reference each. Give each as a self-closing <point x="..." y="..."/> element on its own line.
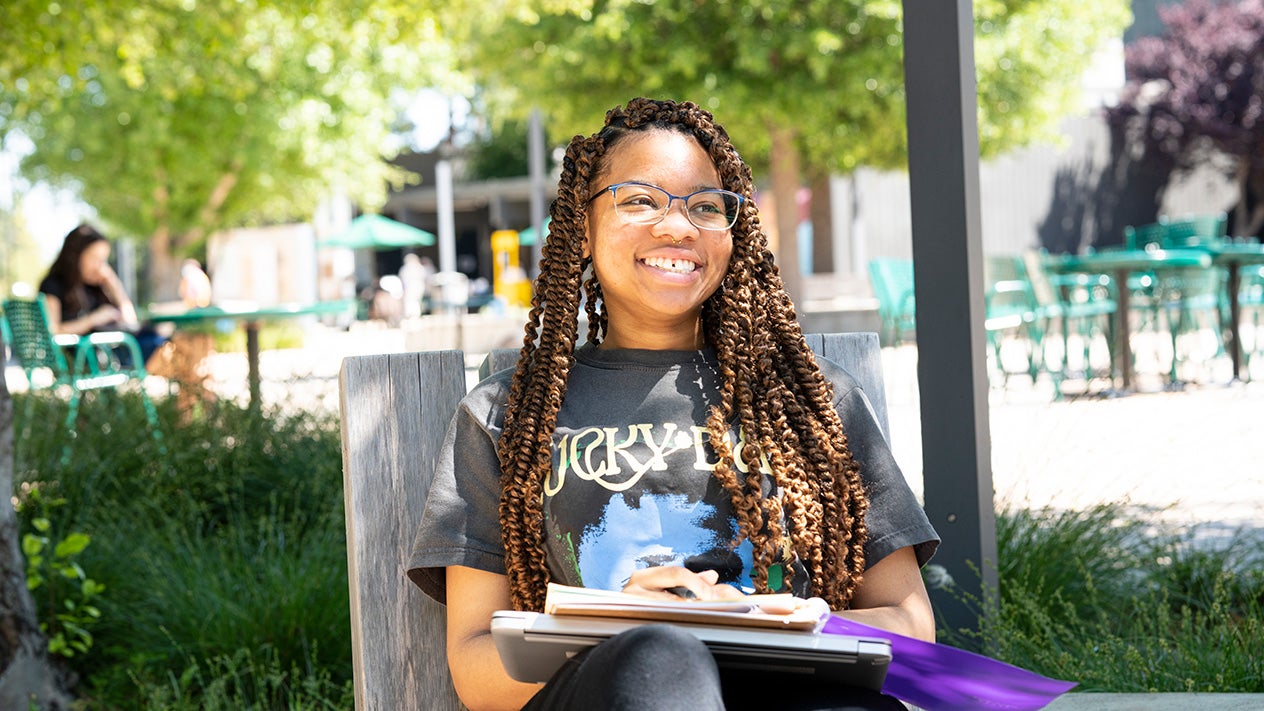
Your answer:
<point x="195" y="285"/>
<point x="413" y="275"/>
<point x="83" y="294"/>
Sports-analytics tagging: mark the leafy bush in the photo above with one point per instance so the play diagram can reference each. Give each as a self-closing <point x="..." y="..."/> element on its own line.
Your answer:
<point x="224" y="558"/>
<point x="1110" y="599"/>
<point x="64" y="594"/>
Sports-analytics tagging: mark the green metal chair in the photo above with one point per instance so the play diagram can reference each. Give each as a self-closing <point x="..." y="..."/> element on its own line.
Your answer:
<point x="1186" y="297"/>
<point x="892" y="281"/>
<point x="96" y="363"/>
<point x="1189" y="230"/>
<point x="1251" y="299"/>
<point x="1011" y="313"/>
<point x="1078" y="305"/>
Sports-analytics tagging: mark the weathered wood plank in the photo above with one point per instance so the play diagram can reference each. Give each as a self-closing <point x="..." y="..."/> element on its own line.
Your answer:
<point x="861" y="355"/>
<point x="497" y="361"/>
<point x="395" y="410"/>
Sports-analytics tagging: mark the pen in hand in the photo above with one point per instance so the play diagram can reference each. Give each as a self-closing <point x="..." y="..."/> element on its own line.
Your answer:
<point x="682" y="592"/>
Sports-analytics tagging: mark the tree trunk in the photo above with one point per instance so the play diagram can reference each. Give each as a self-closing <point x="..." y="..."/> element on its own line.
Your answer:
<point x="162" y="272"/>
<point x="1248" y="218"/>
<point x="822" y="212"/>
<point x="785" y="186"/>
<point x="27" y="679"/>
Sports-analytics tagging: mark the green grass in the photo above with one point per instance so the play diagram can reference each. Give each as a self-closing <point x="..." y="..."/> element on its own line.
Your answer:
<point x="224" y="562"/>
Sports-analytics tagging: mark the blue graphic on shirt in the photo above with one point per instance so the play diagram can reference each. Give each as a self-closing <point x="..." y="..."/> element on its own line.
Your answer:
<point x="635" y="532"/>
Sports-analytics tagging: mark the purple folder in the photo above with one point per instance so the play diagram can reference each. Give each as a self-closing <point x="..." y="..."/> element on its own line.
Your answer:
<point x="937" y="676"/>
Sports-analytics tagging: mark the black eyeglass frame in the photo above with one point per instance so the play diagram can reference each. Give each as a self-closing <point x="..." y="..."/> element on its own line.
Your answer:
<point x="671" y="199"/>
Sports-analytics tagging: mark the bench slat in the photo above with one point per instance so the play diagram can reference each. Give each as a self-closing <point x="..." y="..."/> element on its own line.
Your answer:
<point x="395" y="410"/>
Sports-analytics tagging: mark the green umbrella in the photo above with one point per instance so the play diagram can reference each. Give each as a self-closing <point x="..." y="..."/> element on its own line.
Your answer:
<point x="527" y="236"/>
<point x="380" y="233"/>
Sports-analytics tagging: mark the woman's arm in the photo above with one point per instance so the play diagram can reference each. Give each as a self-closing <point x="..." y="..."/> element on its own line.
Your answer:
<point x="103" y="315"/>
<point x="114" y="291"/>
<point x="479" y="677"/>
<point x="893" y="597"/>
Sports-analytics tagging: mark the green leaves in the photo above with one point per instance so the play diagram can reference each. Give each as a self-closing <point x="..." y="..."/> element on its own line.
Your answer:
<point x="832" y="69"/>
<point x="63" y="590"/>
<point x="184" y="117"/>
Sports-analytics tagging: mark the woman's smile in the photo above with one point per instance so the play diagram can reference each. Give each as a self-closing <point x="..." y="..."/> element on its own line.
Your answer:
<point x="673" y="265"/>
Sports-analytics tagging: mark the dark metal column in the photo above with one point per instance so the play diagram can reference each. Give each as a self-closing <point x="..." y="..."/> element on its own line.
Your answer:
<point x="948" y="272"/>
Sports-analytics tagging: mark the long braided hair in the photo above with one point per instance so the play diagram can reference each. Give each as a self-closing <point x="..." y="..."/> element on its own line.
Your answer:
<point x="771" y="386"/>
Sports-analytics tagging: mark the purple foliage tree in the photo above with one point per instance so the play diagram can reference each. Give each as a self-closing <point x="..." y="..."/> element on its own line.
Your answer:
<point x="1196" y="94"/>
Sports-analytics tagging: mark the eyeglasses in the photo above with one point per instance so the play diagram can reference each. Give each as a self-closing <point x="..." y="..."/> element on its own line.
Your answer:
<point x="639" y="203"/>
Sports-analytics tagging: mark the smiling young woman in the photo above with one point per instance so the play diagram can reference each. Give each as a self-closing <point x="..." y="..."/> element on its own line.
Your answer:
<point x="692" y="442"/>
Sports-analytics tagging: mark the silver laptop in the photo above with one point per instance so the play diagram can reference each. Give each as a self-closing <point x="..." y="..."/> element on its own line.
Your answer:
<point x="532" y="646"/>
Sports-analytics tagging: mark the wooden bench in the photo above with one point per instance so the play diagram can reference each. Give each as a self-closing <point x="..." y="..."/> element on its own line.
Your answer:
<point x="395" y="411"/>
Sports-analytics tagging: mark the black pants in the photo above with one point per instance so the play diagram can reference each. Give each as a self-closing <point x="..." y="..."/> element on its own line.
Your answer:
<point x="662" y="668"/>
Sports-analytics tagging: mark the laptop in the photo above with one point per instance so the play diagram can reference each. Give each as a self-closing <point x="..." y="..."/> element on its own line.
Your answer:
<point x="533" y="645"/>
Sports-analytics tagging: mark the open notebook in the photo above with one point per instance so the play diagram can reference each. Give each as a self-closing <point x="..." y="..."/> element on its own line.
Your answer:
<point x="776" y="632"/>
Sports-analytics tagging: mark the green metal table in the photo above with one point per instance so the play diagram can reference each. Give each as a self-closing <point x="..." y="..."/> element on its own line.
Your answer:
<point x="1121" y="263"/>
<point x="251" y="318"/>
<point x="1232" y="256"/>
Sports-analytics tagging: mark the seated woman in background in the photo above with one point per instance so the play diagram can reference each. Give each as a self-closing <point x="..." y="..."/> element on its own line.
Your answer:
<point x="84" y="295"/>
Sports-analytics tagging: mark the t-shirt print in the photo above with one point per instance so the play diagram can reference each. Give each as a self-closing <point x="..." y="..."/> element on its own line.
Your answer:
<point x="622" y="499"/>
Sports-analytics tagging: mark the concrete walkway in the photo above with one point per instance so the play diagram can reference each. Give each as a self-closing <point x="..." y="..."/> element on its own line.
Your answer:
<point x="1196" y="454"/>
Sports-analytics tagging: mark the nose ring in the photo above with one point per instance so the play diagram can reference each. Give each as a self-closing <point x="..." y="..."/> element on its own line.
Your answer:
<point x="675" y="241"/>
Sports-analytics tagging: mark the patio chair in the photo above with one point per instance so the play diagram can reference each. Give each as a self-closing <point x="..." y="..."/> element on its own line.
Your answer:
<point x="1081" y="307"/>
<point x="892" y="281"/>
<point x="1185" y="296"/>
<point x="1251" y="298"/>
<point x="1012" y="315"/>
<point x="1191" y="230"/>
<point x="96" y="365"/>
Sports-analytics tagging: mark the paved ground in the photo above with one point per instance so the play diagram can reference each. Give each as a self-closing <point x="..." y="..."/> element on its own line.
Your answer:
<point x="1198" y="454"/>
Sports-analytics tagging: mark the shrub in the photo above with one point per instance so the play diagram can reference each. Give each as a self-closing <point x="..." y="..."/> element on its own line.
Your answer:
<point x="1117" y="602"/>
<point x="225" y="556"/>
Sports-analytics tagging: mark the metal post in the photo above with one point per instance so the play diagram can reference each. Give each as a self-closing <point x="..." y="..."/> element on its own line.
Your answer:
<point x="948" y="272"/>
<point x="535" y="167"/>
<point x="447" y="228"/>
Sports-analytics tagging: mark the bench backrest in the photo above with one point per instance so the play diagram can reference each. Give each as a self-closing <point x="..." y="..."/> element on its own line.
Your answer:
<point x="395" y="411"/>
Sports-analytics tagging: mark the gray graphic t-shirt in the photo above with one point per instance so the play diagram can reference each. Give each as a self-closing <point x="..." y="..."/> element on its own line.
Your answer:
<point x="631" y="484"/>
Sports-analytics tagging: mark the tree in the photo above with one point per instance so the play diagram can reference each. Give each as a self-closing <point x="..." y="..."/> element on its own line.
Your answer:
<point x="180" y="118"/>
<point x="804" y="87"/>
<point x="1198" y="90"/>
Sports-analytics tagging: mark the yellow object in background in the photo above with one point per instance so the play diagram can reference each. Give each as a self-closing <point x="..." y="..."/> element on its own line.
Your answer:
<point x="509" y="280"/>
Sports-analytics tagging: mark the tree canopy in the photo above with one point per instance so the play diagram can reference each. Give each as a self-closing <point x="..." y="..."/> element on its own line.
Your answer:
<point x="1200" y="86"/>
<point x="830" y="69"/>
<point x="804" y="87"/>
<point x="173" y="118"/>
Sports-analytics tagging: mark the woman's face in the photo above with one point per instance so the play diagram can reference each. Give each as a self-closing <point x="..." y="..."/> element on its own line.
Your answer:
<point x="655" y="278"/>
<point x="94" y="263"/>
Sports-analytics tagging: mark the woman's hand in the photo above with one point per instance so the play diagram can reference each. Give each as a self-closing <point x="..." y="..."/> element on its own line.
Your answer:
<point x="125" y="311"/>
<point x="105" y="315"/>
<point x="658" y="581"/>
